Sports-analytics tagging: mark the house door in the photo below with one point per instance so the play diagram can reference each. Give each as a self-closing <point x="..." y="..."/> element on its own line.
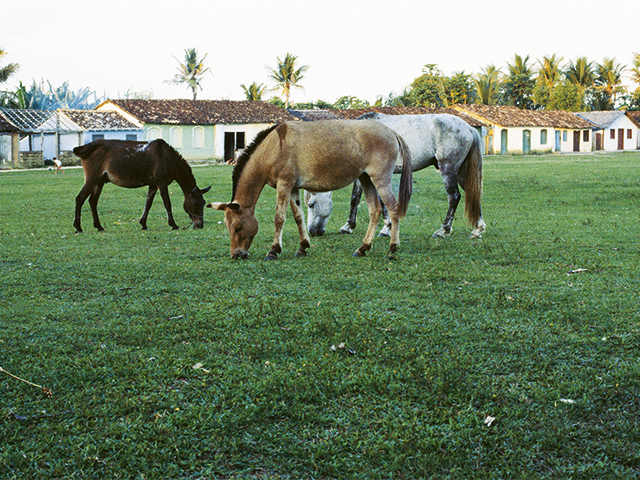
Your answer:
<point x="526" y="142"/>
<point x="621" y="139"/>
<point x="558" y="141"/>
<point x="576" y="141"/>
<point x="598" y="141"/>
<point x="503" y="142"/>
<point x="232" y="141"/>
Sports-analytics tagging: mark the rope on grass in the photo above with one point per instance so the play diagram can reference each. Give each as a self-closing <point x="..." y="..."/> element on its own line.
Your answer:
<point x="45" y="390"/>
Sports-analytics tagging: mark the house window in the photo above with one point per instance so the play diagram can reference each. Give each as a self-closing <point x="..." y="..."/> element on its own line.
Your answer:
<point x="97" y="136"/>
<point x="629" y="133"/>
<point x="612" y="134"/>
<point x="154" y="133"/>
<point x="132" y="137"/>
<point x="198" y="137"/>
<point x="564" y="136"/>
<point x="585" y="136"/>
<point x="543" y="137"/>
<point x="175" y="136"/>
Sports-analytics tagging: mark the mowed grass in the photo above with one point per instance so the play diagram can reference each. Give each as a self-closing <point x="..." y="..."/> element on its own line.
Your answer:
<point x="460" y="359"/>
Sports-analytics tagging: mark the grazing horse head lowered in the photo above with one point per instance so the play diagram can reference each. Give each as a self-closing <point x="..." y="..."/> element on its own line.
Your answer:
<point x="136" y="164"/>
<point x="316" y="156"/>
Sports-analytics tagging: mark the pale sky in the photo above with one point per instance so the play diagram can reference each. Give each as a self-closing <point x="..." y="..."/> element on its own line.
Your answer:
<point x="364" y="48"/>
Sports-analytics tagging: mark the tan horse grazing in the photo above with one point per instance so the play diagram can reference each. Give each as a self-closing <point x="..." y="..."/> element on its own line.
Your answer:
<point x="318" y="157"/>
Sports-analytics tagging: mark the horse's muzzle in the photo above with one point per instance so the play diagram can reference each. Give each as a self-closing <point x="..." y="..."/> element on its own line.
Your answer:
<point x="239" y="254"/>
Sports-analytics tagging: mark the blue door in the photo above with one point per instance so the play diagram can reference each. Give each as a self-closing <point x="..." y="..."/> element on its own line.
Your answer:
<point x="503" y="142"/>
<point x="558" y="141"/>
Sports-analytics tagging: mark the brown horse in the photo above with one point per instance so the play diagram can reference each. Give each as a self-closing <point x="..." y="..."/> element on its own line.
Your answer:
<point x="318" y="157"/>
<point x="136" y="164"/>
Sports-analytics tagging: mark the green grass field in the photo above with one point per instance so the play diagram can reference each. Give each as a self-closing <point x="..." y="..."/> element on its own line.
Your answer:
<point x="460" y="359"/>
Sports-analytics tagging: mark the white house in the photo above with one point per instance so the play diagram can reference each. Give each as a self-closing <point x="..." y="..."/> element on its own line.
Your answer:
<point x="515" y="131"/>
<point x="614" y="130"/>
<point x="201" y="129"/>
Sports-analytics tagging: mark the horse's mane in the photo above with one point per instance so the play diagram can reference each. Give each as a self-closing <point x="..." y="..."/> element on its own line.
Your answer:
<point x="368" y="116"/>
<point x="243" y="159"/>
<point x="177" y="158"/>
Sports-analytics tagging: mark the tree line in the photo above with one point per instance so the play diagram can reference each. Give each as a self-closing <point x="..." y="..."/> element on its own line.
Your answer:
<point x="548" y="83"/>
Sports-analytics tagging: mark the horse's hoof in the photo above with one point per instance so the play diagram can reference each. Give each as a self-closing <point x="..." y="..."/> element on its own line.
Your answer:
<point x="475" y="236"/>
<point x="174" y="228"/>
<point x="270" y="257"/>
<point x="346" y="229"/>
<point x="384" y="234"/>
<point x="301" y="254"/>
<point x="358" y="254"/>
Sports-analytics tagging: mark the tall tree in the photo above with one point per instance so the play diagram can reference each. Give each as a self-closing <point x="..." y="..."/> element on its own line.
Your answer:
<point x="191" y="71"/>
<point x="608" y="79"/>
<point x="517" y="89"/>
<point x="488" y="86"/>
<point x="254" y="91"/>
<point x="459" y="89"/>
<point x="580" y="73"/>
<point x="550" y="70"/>
<point x="7" y="99"/>
<point x="428" y="89"/>
<point x="635" y="77"/>
<point x="287" y="75"/>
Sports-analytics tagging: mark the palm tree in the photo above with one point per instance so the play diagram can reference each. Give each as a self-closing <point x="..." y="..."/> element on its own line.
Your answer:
<point x="580" y="73"/>
<point x="609" y="77"/>
<point x="635" y="70"/>
<point x="254" y="91"/>
<point x="287" y="75"/>
<point x="487" y="86"/>
<point x="191" y="72"/>
<point x="7" y="70"/>
<point x="517" y="89"/>
<point x="550" y="70"/>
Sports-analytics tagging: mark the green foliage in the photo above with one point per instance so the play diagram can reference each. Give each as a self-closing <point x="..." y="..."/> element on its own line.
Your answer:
<point x="167" y="359"/>
<point x="349" y="102"/>
<point x="428" y="89"/>
<point x="43" y="96"/>
<point x="459" y="89"/>
<point x="488" y="86"/>
<point x="287" y="75"/>
<point x="254" y="91"/>
<point x="517" y="88"/>
<point x="566" y="96"/>
<point x="191" y="71"/>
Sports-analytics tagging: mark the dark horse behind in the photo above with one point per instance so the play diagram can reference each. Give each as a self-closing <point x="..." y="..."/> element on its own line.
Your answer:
<point x="133" y="164"/>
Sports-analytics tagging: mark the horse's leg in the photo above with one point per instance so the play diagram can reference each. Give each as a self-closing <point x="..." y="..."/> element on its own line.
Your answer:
<point x="298" y="215"/>
<point x="356" y="195"/>
<point x="147" y="205"/>
<point x="93" y="203"/>
<point x="164" y="193"/>
<point x="386" y="230"/>
<point x="283" y="196"/>
<point x="373" y="203"/>
<point x="386" y="194"/>
<point x="86" y="190"/>
<point x="451" y="187"/>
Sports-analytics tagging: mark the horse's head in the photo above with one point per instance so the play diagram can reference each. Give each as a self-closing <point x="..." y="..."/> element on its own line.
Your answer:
<point x="319" y="208"/>
<point x="242" y="225"/>
<point x="194" y="205"/>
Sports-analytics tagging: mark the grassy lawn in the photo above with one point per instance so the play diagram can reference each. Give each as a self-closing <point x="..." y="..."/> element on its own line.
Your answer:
<point x="516" y="356"/>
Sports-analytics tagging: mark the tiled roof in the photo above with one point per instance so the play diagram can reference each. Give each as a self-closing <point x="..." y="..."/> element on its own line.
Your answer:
<point x="508" y="116"/>
<point x="6" y="126"/>
<point x="634" y="116"/>
<point x="103" y="120"/>
<point x="602" y="119"/>
<point x="202" y="112"/>
<point x="352" y="114"/>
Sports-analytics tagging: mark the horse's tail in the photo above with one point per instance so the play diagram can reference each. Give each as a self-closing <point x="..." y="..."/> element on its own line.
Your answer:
<point x="85" y="151"/>
<point x="473" y="182"/>
<point x="406" y="178"/>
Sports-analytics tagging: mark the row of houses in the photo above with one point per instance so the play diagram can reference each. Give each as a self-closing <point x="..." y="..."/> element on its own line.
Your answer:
<point x="207" y="130"/>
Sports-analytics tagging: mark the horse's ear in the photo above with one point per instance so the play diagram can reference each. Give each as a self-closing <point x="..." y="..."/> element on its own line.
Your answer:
<point x="218" y="206"/>
<point x="205" y="190"/>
